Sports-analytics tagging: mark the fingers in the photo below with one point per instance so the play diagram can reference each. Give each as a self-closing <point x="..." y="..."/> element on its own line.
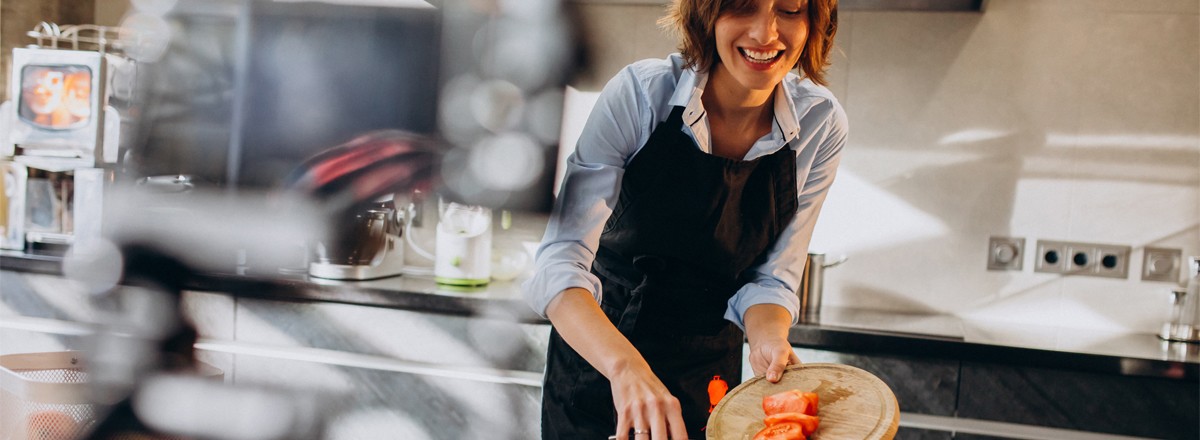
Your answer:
<point x="775" y="371"/>
<point x="655" y="418"/>
<point x="640" y="428"/>
<point x="780" y="357"/>
<point x="645" y="407"/>
<point x="658" y="424"/>
<point x="623" y="427"/>
<point x="674" y="419"/>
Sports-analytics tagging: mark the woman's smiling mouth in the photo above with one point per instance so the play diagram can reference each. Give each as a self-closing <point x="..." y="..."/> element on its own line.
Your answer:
<point x="760" y="59"/>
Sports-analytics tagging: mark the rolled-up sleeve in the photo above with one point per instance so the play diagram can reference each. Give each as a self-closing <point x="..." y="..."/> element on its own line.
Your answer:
<point x="777" y="280"/>
<point x="619" y="124"/>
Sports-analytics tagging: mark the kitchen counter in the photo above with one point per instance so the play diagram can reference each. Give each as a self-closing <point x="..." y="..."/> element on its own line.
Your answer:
<point x="837" y="329"/>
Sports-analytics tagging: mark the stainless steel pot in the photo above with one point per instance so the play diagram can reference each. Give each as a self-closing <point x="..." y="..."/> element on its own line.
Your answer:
<point x="361" y="237"/>
<point x="812" y="284"/>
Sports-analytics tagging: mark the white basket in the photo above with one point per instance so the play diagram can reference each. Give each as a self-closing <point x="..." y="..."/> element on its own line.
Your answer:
<point x="44" y="396"/>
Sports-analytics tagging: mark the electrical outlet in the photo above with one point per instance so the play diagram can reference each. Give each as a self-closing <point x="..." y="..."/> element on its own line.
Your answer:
<point x="1111" y="261"/>
<point x="1051" y="257"/>
<point x="1006" y="253"/>
<point x="1080" y="259"/>
<point x="1161" y="264"/>
<point x="1090" y="259"/>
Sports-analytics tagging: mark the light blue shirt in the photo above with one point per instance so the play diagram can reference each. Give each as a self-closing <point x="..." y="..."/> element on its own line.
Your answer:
<point x="808" y="119"/>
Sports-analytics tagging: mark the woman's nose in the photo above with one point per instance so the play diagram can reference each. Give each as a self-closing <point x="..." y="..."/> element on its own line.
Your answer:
<point x="765" y="28"/>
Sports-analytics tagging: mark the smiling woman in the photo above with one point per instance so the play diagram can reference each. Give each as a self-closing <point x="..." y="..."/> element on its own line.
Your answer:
<point x="695" y="22"/>
<point x="683" y="221"/>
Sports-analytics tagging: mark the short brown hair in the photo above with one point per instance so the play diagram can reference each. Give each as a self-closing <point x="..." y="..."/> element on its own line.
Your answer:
<point x="695" y="20"/>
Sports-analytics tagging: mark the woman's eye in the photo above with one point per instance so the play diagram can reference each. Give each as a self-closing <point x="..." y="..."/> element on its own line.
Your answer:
<point x="793" y="12"/>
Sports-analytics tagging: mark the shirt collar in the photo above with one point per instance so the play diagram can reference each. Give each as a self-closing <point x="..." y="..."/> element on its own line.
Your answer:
<point x="691" y="87"/>
<point x="687" y="94"/>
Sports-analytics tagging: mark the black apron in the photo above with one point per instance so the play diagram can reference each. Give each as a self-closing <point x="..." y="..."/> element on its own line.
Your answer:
<point x="686" y="227"/>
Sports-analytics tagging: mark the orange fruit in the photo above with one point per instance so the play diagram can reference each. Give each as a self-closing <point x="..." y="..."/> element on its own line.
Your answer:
<point x="51" y="425"/>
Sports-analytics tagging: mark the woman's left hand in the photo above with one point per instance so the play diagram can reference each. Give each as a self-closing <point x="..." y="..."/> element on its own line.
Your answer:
<point x="767" y="331"/>
<point x="769" y="357"/>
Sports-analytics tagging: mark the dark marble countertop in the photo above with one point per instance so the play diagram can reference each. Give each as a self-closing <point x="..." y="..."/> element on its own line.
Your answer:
<point x="836" y="329"/>
<point x="953" y="337"/>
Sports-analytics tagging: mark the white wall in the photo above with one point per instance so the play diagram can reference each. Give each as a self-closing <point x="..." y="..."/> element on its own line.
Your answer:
<point x="1046" y="119"/>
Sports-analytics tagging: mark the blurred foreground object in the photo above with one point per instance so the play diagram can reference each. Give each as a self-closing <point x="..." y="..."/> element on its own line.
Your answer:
<point x="506" y="65"/>
<point x="464" y="99"/>
<point x="248" y="89"/>
<point x="146" y="381"/>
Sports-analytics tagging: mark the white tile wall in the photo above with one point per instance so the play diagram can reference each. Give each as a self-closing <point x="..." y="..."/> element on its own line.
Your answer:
<point x="1045" y="119"/>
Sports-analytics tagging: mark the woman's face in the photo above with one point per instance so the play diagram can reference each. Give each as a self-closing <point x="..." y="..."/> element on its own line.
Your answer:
<point x="759" y="44"/>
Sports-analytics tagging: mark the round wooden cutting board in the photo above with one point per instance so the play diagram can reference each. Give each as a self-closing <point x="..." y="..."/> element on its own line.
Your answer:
<point x="854" y="404"/>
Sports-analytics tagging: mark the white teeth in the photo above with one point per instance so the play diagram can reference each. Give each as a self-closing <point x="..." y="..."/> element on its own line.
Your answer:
<point x="755" y="55"/>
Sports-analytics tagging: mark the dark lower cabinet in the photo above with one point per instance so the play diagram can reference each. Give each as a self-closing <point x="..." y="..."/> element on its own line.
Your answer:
<point x="1123" y="405"/>
<point x="921" y="385"/>
<point x="1052" y="398"/>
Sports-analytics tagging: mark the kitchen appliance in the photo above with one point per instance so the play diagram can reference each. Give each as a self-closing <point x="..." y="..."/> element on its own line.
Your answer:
<point x="58" y="141"/>
<point x="812" y="285"/>
<point x="1183" y="322"/>
<point x="59" y="106"/>
<point x="464" y="245"/>
<point x="366" y="244"/>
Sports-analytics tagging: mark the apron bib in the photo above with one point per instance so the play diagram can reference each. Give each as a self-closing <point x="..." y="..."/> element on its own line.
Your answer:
<point x="686" y="227"/>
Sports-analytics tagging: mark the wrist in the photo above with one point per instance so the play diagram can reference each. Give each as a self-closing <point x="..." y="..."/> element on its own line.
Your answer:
<point x="767" y="321"/>
<point x="623" y="365"/>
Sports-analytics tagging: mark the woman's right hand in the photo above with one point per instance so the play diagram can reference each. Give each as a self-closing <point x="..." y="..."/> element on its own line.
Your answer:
<point x="645" y="406"/>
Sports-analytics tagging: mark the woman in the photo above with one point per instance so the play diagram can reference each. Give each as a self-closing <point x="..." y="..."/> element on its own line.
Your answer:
<point x="691" y="198"/>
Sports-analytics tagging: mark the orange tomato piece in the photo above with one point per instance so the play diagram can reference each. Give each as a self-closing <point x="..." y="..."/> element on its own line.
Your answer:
<point x="790" y="401"/>
<point x="781" y="431"/>
<point x="809" y="423"/>
<point x="813" y="402"/>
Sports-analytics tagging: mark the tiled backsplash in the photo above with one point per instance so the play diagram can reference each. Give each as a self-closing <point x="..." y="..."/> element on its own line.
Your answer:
<point x="1069" y="120"/>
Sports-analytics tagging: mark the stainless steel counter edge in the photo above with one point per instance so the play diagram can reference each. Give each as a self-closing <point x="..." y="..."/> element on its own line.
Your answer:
<point x="502" y="300"/>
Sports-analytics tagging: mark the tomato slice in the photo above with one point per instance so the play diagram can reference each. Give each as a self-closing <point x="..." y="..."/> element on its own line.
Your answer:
<point x="784" y="431"/>
<point x="813" y="402"/>
<point x="809" y="423"/>
<point x="788" y="401"/>
<point x="781" y="431"/>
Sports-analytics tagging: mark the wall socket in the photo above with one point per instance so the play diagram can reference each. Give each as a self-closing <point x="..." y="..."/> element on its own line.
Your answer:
<point x="1006" y="253"/>
<point x="1161" y="264"/>
<point x="1074" y="258"/>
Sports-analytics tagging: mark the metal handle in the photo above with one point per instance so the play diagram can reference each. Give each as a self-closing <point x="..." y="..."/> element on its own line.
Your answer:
<point x="841" y="259"/>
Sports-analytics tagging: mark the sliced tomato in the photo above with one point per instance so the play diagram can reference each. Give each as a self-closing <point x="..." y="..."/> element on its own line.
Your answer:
<point x="781" y="431"/>
<point x="787" y="401"/>
<point x="809" y="423"/>
<point x="813" y="402"/>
